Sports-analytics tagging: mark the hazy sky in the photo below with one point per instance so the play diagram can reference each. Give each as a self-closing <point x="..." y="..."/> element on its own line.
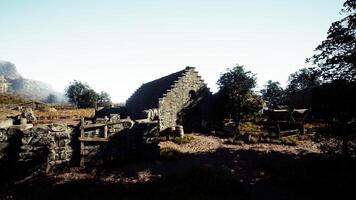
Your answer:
<point x="118" y="45"/>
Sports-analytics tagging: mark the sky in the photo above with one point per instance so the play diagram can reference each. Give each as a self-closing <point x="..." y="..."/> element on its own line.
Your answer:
<point x="117" y="45"/>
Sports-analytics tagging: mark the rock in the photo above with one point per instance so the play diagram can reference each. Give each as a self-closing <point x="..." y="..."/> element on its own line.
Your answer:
<point x="3" y="136"/>
<point x="179" y="131"/>
<point x="6" y="123"/>
<point x="58" y="127"/>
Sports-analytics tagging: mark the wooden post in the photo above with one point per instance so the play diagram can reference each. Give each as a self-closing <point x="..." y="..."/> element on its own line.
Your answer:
<point x="82" y="149"/>
<point x="106" y="131"/>
<point x="302" y="128"/>
<point x="278" y="129"/>
<point x="82" y="145"/>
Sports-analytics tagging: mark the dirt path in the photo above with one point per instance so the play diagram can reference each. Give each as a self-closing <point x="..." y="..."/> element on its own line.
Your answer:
<point x="264" y="170"/>
<point x="202" y="150"/>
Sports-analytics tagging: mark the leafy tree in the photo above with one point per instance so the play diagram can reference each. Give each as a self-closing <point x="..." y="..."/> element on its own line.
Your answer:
<point x="335" y="103"/>
<point x="336" y="57"/>
<point x="273" y="94"/>
<point x="81" y="94"/>
<point x="252" y="104"/>
<point x="236" y="83"/>
<point x="88" y="99"/>
<point x="335" y="60"/>
<point x="302" y="79"/>
<point x="51" y="99"/>
<point x="104" y="99"/>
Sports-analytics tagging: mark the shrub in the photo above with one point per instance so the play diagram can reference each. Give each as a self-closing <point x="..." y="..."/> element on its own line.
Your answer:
<point x="169" y="153"/>
<point x="183" y="140"/>
<point x="253" y="139"/>
<point x="232" y="141"/>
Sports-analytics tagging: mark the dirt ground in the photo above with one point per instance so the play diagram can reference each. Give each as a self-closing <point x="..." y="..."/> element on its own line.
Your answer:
<point x="250" y="171"/>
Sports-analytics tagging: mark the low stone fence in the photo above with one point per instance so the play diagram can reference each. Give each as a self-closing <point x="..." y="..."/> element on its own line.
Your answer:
<point x="44" y="148"/>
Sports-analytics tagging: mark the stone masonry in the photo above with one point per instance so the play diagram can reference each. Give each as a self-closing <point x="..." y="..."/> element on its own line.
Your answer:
<point x="170" y="94"/>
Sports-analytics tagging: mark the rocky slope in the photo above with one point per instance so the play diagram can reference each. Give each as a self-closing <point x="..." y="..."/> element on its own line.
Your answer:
<point x="27" y="87"/>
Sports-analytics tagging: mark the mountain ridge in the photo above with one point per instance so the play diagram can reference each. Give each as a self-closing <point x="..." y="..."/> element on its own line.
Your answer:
<point x="30" y="88"/>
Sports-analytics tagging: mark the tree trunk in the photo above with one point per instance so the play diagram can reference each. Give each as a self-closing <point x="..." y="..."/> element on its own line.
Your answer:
<point x="238" y="116"/>
<point x="345" y="139"/>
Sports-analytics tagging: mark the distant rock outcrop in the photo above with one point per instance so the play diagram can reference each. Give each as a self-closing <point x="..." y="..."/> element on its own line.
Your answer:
<point x="8" y="70"/>
<point x="27" y="87"/>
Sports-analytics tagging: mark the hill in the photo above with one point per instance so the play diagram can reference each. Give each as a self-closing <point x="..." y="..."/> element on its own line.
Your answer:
<point x="30" y="88"/>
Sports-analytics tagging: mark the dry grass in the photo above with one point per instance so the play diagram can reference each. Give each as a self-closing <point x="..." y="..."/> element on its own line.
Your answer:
<point x="178" y="140"/>
<point x="9" y="98"/>
<point x="70" y="114"/>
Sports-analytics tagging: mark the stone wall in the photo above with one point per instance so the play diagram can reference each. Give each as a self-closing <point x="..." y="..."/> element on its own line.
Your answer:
<point x="41" y="148"/>
<point x="125" y="142"/>
<point x="188" y="89"/>
<point x="25" y="150"/>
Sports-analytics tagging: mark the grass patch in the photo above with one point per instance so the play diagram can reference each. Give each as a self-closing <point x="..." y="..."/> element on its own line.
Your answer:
<point x="253" y="139"/>
<point x="234" y="141"/>
<point x="183" y="140"/>
<point x="8" y="98"/>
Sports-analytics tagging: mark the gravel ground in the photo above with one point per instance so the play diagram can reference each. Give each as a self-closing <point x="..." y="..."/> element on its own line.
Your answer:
<point x="203" y="143"/>
<point x="202" y="150"/>
<point x="263" y="169"/>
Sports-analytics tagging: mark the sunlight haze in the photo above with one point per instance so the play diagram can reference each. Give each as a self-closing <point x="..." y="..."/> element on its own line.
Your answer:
<point x="116" y="46"/>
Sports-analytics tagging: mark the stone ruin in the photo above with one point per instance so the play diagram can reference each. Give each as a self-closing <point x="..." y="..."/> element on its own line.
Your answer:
<point x="173" y="100"/>
<point x="27" y="148"/>
<point x="165" y="104"/>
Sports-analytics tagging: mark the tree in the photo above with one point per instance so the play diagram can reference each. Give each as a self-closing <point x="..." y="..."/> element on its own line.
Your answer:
<point x="51" y="99"/>
<point x="273" y="94"/>
<point x="81" y="94"/>
<point x="302" y="79"/>
<point x="236" y="83"/>
<point x="89" y="99"/>
<point x="104" y="99"/>
<point x="251" y="106"/>
<point x="335" y="60"/>
<point x="336" y="57"/>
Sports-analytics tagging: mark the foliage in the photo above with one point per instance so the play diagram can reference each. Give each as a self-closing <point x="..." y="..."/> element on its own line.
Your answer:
<point x="336" y="55"/>
<point x="169" y="153"/>
<point x="183" y="140"/>
<point x="251" y="105"/>
<point x="51" y="99"/>
<point x="254" y="139"/>
<point x="335" y="100"/>
<point x="81" y="94"/>
<point x="273" y="94"/>
<point x="89" y="99"/>
<point x="302" y="79"/>
<point x="104" y="99"/>
<point x="235" y="84"/>
<point x="335" y="103"/>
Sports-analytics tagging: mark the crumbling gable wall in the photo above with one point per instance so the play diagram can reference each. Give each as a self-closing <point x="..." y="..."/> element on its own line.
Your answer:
<point x="188" y="89"/>
<point x="171" y="95"/>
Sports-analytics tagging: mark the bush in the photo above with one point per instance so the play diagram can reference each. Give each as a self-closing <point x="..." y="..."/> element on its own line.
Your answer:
<point x="169" y="153"/>
<point x="183" y="140"/>
<point x="232" y="141"/>
<point x="254" y="139"/>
